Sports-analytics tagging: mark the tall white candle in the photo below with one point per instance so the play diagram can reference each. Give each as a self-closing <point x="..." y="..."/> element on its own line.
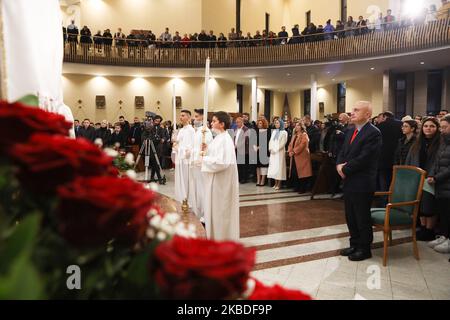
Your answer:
<point x="174" y="105"/>
<point x="205" y="101"/>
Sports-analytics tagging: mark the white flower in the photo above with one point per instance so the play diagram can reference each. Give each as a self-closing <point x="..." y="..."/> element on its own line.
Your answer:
<point x="129" y="159"/>
<point x="150" y="233"/>
<point x="173" y="218"/>
<point x="131" y="174"/>
<point x="161" y="236"/>
<point x="152" y="212"/>
<point x="251" y="284"/>
<point x="155" y="222"/>
<point x="98" y="142"/>
<point x="111" y="152"/>
<point x="153" y="186"/>
<point x="166" y="227"/>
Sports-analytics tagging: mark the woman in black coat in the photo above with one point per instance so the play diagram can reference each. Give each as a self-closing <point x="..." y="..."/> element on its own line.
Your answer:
<point x="409" y="129"/>
<point x="262" y="150"/>
<point x="440" y="177"/>
<point x="423" y="154"/>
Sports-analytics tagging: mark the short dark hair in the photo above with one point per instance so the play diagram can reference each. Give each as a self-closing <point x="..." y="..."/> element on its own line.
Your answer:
<point x="199" y="111"/>
<point x="186" y="111"/>
<point x="87" y="120"/>
<point x="412" y="124"/>
<point x="98" y="124"/>
<point x="157" y="117"/>
<point x="444" y="110"/>
<point x="446" y="118"/>
<point x="121" y="117"/>
<point x="224" y="118"/>
<point x="246" y="114"/>
<point x="76" y="120"/>
<point x="388" y="114"/>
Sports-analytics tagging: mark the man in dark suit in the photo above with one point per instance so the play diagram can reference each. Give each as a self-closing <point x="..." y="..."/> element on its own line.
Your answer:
<point x="241" y="145"/>
<point x="118" y="139"/>
<point x="86" y="131"/>
<point x="357" y="164"/>
<point x="391" y="132"/>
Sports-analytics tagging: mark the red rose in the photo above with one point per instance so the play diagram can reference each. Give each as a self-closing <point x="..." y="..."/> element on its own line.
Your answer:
<point x="276" y="292"/>
<point x="48" y="161"/>
<point x="202" y="269"/>
<point x="93" y="211"/>
<point x="18" y="122"/>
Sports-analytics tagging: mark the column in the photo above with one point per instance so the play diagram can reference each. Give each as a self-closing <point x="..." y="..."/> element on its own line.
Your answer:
<point x="254" y="100"/>
<point x="388" y="91"/>
<point x="314" y="99"/>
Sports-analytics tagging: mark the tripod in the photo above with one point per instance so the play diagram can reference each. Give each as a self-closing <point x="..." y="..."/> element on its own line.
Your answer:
<point x="148" y="151"/>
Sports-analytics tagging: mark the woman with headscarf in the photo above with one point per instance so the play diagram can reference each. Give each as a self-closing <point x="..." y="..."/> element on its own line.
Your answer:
<point x="277" y="160"/>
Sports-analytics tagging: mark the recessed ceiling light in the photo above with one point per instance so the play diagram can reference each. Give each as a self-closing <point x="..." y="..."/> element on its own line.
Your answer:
<point x="422" y="63"/>
<point x="288" y="74"/>
<point x="372" y="68"/>
<point x="328" y="72"/>
<point x="333" y="79"/>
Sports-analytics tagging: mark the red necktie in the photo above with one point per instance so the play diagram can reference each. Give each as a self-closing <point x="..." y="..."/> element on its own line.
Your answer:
<point x="354" y="136"/>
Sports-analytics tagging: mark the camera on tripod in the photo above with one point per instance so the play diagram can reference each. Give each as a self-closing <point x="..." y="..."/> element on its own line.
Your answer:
<point x="151" y="159"/>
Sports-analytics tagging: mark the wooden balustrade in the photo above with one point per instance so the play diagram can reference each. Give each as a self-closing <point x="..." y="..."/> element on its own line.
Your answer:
<point x="398" y="40"/>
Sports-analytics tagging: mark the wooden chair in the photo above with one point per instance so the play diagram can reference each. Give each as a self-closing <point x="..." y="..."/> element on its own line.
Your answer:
<point x="403" y="205"/>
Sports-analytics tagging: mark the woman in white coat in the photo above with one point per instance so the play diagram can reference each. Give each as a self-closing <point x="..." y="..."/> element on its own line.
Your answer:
<point x="277" y="161"/>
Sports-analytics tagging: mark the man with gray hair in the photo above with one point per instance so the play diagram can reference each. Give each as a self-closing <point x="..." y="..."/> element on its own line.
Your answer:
<point x="357" y="164"/>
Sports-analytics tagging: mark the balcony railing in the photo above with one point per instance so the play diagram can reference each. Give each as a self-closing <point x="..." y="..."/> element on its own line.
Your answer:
<point x="394" y="41"/>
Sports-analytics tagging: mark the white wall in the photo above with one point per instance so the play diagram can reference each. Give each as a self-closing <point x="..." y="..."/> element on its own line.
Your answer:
<point x="85" y="88"/>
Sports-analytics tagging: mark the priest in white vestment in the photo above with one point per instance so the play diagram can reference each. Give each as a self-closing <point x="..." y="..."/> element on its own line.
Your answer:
<point x="196" y="178"/>
<point x="221" y="183"/>
<point x="183" y="148"/>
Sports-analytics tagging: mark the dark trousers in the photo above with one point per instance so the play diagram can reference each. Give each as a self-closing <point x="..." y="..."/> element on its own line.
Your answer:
<point x="242" y="164"/>
<point x="444" y="216"/>
<point x="359" y="221"/>
<point x="384" y="179"/>
<point x="301" y="185"/>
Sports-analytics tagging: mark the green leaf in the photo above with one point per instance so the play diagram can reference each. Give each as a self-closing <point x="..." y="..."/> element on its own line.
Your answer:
<point x="22" y="282"/>
<point x="30" y="100"/>
<point x="21" y="241"/>
<point x="138" y="273"/>
<point x="20" y="278"/>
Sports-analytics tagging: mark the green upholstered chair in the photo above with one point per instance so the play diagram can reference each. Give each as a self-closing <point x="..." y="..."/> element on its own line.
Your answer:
<point x="403" y="205"/>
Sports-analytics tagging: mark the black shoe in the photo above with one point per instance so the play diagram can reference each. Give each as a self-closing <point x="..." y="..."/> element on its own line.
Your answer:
<point x="360" y="255"/>
<point x="348" y="251"/>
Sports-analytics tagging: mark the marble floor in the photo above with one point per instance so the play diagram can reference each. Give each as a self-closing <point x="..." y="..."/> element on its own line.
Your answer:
<point x="297" y="241"/>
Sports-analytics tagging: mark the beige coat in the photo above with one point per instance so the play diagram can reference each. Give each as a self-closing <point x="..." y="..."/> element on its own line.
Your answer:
<point x="302" y="156"/>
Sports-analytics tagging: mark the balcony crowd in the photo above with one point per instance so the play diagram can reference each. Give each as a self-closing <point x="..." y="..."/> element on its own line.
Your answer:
<point x="312" y="32"/>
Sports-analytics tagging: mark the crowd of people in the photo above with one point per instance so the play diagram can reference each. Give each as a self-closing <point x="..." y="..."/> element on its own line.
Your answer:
<point x="283" y="153"/>
<point x="236" y="38"/>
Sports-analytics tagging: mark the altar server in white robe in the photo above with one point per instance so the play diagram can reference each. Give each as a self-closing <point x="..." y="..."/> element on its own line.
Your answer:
<point x="221" y="183"/>
<point x="183" y="148"/>
<point x="196" y="179"/>
<point x="277" y="160"/>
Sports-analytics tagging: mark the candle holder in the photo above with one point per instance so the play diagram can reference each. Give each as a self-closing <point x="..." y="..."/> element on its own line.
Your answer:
<point x="185" y="211"/>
